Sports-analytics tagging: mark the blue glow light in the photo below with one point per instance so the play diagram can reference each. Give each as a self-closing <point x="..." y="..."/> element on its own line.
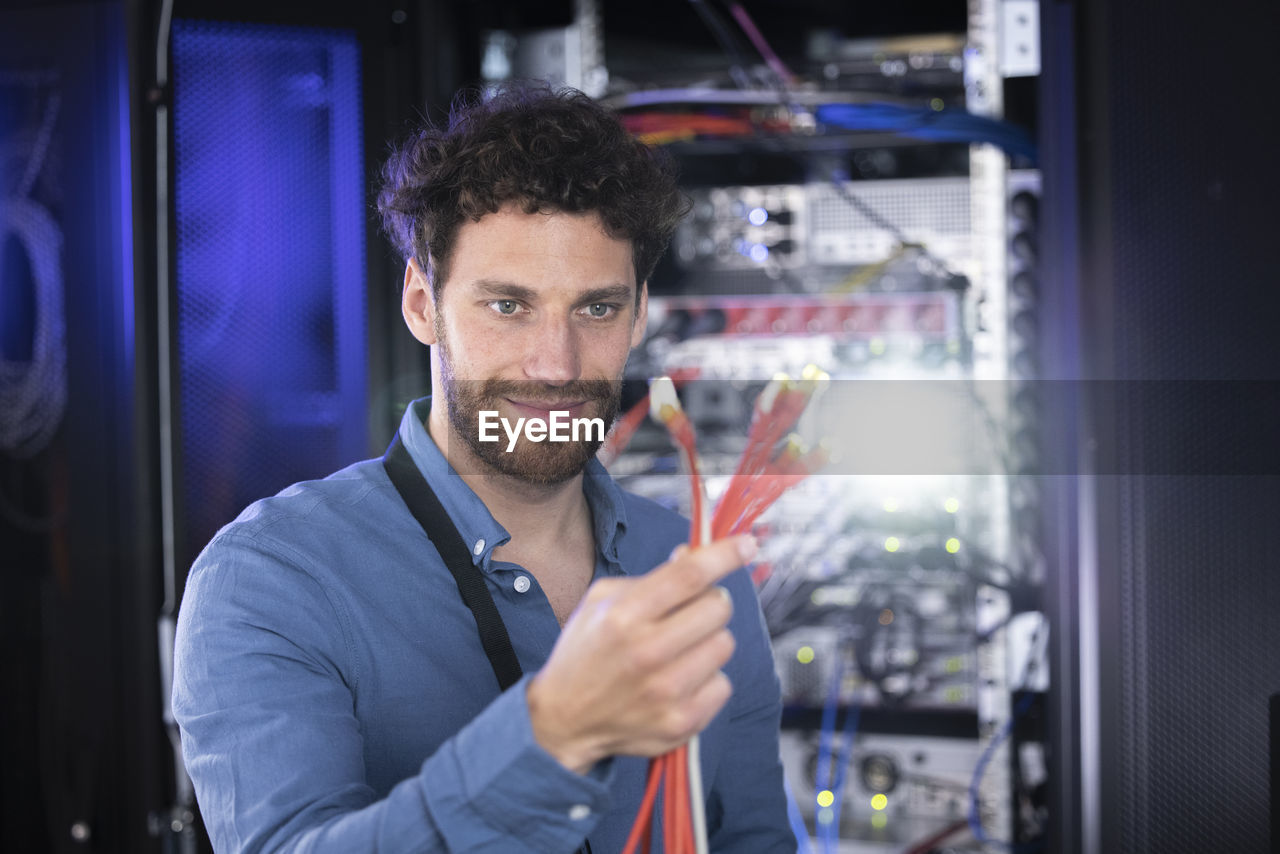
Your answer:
<point x="759" y="252"/>
<point x="758" y="216"/>
<point x="270" y="215"/>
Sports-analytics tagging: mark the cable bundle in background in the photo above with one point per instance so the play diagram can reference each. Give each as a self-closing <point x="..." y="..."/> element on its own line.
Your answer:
<point x="33" y="392"/>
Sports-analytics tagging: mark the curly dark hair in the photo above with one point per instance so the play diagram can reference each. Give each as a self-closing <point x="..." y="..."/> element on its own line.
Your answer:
<point x="542" y="149"/>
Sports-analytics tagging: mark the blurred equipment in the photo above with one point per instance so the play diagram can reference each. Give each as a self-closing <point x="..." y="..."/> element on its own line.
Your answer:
<point x="860" y="204"/>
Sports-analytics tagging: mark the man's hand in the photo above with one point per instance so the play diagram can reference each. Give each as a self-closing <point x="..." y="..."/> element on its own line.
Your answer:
<point x="636" y="670"/>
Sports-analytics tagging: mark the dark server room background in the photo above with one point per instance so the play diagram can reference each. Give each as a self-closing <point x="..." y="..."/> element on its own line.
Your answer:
<point x="1032" y="602"/>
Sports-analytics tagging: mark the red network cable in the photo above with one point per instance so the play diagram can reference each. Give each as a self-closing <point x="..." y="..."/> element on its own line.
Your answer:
<point x="630" y="422"/>
<point x="760" y="479"/>
<point x="761" y="476"/>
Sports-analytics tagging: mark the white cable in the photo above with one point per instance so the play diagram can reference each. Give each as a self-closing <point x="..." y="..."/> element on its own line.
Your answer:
<point x="40" y="148"/>
<point x="33" y="395"/>
<point x="696" y="798"/>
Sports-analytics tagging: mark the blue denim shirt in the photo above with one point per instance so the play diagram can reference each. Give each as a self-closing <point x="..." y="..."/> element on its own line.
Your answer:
<point x="333" y="695"/>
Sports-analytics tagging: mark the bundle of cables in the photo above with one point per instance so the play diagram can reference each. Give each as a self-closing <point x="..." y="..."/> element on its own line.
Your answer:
<point x="759" y="480"/>
<point x="660" y="128"/>
<point x="928" y="124"/>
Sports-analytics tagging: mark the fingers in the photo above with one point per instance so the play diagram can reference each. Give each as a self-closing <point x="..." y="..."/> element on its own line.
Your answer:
<point x="689" y="573"/>
<point x="666" y="632"/>
<point x="687" y="626"/>
<point x="687" y="674"/>
<point x="684" y="720"/>
<point x="708" y="701"/>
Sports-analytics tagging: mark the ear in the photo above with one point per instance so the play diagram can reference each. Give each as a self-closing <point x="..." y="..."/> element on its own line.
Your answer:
<point x="418" y="304"/>
<point x="642" y="316"/>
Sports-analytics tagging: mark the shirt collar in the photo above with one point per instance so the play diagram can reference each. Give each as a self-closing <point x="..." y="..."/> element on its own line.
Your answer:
<point x="472" y="518"/>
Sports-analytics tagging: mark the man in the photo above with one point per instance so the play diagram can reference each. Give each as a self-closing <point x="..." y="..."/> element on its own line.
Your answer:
<point x="331" y="684"/>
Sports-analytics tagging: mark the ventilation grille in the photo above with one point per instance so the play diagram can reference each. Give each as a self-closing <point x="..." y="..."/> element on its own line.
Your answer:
<point x="269" y="201"/>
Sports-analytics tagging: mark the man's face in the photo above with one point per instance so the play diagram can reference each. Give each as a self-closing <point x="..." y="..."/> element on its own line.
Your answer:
<point x="538" y="314"/>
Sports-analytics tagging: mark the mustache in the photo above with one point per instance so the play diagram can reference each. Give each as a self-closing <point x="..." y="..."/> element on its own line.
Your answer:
<point x="572" y="391"/>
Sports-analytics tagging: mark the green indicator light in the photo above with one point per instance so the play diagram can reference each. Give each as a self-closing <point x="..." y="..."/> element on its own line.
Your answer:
<point x="891" y="544"/>
<point x="804" y="654"/>
<point x="953" y="545"/>
<point x="825" y="798"/>
<point x="879" y="802"/>
<point x="876" y="346"/>
<point x="951" y="505"/>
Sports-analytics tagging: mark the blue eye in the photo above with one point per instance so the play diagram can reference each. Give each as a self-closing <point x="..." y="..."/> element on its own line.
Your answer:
<point x="505" y="306"/>
<point x="599" y="309"/>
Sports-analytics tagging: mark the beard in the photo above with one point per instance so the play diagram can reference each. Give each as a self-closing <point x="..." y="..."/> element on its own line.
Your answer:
<point x="543" y="463"/>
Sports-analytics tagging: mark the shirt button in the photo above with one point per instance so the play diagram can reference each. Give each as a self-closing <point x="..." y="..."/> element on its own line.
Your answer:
<point x="478" y="547"/>
<point x="522" y="585"/>
<point x="578" y="812"/>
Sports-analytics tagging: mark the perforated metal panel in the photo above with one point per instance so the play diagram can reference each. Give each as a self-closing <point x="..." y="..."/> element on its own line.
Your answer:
<point x="1189" y="273"/>
<point x="932" y="211"/>
<point x="270" y="220"/>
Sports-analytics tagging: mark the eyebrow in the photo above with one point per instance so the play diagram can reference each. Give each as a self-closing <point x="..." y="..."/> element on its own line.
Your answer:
<point x="510" y="290"/>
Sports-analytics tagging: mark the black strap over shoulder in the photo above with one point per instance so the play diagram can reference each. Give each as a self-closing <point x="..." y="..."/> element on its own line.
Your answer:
<point x="422" y="502"/>
<point x="430" y="513"/>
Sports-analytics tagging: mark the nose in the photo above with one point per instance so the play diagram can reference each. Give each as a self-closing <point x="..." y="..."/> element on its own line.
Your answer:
<point x="553" y="356"/>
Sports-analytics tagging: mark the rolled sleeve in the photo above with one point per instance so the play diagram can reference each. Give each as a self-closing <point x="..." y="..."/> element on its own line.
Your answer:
<point x="512" y="785"/>
<point x="264" y="693"/>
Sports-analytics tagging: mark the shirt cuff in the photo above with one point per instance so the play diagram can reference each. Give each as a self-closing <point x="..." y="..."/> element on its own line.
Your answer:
<point x="514" y="784"/>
